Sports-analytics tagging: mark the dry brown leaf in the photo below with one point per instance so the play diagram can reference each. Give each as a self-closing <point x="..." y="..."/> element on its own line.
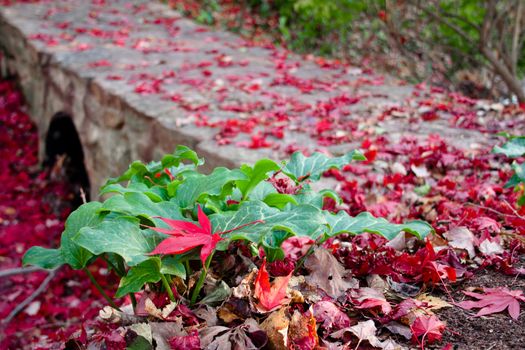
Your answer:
<point x="276" y="327"/>
<point x="461" y="238"/>
<point x="328" y="274"/>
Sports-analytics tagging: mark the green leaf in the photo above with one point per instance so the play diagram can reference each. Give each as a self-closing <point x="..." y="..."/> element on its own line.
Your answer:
<point x="317" y="198"/>
<point x="121" y="236"/>
<point x="272" y="242"/>
<point x="255" y="175"/>
<point x="513" y="148"/>
<point x="422" y="190"/>
<point x="302" y="220"/>
<point x="85" y="216"/>
<point x="44" y="258"/>
<point x="156" y="194"/>
<point x="140" y="343"/>
<point x="366" y="222"/>
<point x="217" y="295"/>
<point x="138" y="171"/>
<point x="262" y="190"/>
<point x="301" y="167"/>
<point x="171" y="265"/>
<point x="197" y="185"/>
<point x="139" y="204"/>
<point x="146" y="272"/>
<point x="279" y="200"/>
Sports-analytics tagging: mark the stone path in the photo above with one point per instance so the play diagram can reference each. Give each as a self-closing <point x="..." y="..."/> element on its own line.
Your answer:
<point x="138" y="79"/>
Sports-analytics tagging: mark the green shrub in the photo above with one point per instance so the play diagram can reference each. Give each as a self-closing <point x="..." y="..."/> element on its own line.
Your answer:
<point x="261" y="205"/>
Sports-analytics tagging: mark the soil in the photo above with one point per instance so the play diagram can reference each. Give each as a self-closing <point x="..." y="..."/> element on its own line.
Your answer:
<point x="497" y="331"/>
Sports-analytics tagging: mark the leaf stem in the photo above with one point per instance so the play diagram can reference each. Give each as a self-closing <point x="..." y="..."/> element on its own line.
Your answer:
<point x="99" y="288"/>
<point x="167" y="286"/>
<point x="188" y="268"/>
<point x="133" y="301"/>
<point x="110" y="264"/>
<point x="200" y="282"/>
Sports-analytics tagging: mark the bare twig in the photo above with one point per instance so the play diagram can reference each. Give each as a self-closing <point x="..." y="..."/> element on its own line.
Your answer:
<point x="516" y="37"/>
<point x="83" y="195"/>
<point x="29" y="299"/>
<point x="496" y="211"/>
<point x="19" y="271"/>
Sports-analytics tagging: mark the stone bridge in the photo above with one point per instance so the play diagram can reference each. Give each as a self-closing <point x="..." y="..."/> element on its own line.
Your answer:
<point x="112" y="82"/>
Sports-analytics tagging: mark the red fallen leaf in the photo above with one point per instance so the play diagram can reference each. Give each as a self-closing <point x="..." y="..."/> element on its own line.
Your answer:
<point x="187" y="342"/>
<point x="495" y="300"/>
<point x="100" y="63"/>
<point x="270" y="295"/>
<point x="329" y="316"/>
<point x="427" y="327"/>
<point x="367" y="298"/>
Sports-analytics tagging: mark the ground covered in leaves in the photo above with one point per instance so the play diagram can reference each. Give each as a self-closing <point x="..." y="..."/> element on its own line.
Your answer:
<point x="33" y="206"/>
<point x="363" y="290"/>
<point x="359" y="292"/>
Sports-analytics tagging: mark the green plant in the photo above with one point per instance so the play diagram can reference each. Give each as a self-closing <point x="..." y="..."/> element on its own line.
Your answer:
<point x="261" y="205"/>
<point x="514" y="148"/>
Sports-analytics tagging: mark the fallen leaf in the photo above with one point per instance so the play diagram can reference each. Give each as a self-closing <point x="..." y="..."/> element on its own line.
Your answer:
<point x="461" y="238"/>
<point x="429" y="328"/>
<point x="495" y="300"/>
<point x="270" y="295"/>
<point x="329" y="316"/>
<point x="328" y="274"/>
<point x="245" y="336"/>
<point x="302" y="332"/>
<point x="488" y="247"/>
<point x="369" y="298"/>
<point x="276" y="327"/>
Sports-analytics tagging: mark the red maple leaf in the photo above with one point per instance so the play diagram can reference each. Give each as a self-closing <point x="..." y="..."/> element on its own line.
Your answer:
<point x="427" y="327"/>
<point x="186" y="235"/>
<point x="270" y="295"/>
<point x="495" y="300"/>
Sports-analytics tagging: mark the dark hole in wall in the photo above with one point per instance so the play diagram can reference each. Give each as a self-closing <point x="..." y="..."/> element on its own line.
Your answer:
<point x="64" y="154"/>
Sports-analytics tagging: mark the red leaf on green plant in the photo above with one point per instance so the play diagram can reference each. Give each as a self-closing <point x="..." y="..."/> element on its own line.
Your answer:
<point x="270" y="295"/>
<point x="186" y="236"/>
<point x="427" y="327"/>
<point x="495" y="300"/>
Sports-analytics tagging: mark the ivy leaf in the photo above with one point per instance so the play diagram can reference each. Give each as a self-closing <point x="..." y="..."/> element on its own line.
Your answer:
<point x="272" y="242"/>
<point x="302" y="220"/>
<point x="171" y="265"/>
<point x="279" y="200"/>
<point x="85" y="216"/>
<point x="138" y="171"/>
<point x="317" y="198"/>
<point x="70" y="252"/>
<point x="366" y="222"/>
<point x="156" y="194"/>
<point x="146" y="272"/>
<point x="255" y="175"/>
<point x="518" y="176"/>
<point x="43" y="257"/>
<point x="197" y="185"/>
<point x="121" y="236"/>
<point x="301" y="167"/>
<point x="139" y="204"/>
<point x="513" y="148"/>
